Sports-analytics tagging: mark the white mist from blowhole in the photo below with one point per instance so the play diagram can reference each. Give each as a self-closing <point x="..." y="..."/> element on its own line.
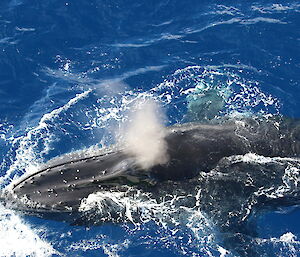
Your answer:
<point x="144" y="135"/>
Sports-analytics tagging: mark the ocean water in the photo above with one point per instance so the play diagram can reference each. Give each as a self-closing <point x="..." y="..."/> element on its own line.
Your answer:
<point x="70" y="71"/>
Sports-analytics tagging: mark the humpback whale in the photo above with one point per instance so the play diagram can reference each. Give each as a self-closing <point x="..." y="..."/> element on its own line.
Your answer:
<point x="230" y="170"/>
<point x="192" y="149"/>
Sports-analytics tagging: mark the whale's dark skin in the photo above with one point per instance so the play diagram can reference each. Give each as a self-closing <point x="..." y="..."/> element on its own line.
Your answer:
<point x="192" y="148"/>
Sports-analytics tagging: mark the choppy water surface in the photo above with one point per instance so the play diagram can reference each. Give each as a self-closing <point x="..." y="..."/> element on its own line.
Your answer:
<point x="71" y="70"/>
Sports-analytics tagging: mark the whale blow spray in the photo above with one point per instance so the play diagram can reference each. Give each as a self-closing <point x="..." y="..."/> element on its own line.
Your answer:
<point x="145" y="135"/>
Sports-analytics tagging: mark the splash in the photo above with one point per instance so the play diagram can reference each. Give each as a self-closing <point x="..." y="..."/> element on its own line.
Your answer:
<point x="29" y="149"/>
<point x="18" y="239"/>
<point x="200" y="93"/>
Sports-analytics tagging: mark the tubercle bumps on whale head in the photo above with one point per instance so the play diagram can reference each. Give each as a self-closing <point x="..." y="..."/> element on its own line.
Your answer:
<point x="63" y="186"/>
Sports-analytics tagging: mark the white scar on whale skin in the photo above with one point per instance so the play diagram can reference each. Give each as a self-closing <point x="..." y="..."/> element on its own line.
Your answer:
<point x="144" y="136"/>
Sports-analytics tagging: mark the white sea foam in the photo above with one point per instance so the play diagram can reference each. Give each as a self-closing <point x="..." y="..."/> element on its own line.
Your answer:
<point x="286" y="245"/>
<point x="27" y="157"/>
<point x="276" y="8"/>
<point x="288" y="238"/>
<point x="111" y="249"/>
<point x="238" y="94"/>
<point x="127" y="205"/>
<point x="139" y="208"/>
<point x="223" y="252"/>
<point x="19" y="239"/>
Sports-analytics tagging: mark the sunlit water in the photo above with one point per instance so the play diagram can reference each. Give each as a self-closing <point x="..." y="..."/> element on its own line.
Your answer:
<point x="71" y="72"/>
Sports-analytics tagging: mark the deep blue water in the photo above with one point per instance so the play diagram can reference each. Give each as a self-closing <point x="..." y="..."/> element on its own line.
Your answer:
<point x="70" y="69"/>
